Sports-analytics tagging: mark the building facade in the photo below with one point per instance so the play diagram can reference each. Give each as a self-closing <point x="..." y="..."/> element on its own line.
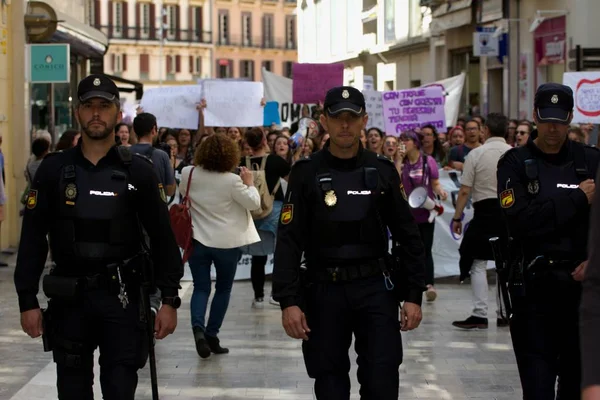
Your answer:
<point x="26" y="107"/>
<point x="403" y="44"/>
<point x="252" y="34"/>
<point x="155" y="42"/>
<point x="386" y="39"/>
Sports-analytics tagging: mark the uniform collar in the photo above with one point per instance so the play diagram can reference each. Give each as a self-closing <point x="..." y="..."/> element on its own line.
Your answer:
<point x="562" y="155"/>
<point x="111" y="156"/>
<point x="345" y="163"/>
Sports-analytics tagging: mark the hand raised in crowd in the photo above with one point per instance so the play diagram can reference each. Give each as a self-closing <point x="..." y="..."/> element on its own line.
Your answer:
<point x="31" y="322"/>
<point x="294" y="323"/>
<point x="589" y="187"/>
<point x="201" y="105"/>
<point x="579" y="273"/>
<point x="246" y="176"/>
<point x="263" y="102"/>
<point x="410" y="316"/>
<point x="139" y="110"/>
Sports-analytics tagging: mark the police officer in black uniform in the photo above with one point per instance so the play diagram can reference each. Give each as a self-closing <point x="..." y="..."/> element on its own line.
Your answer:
<point x="545" y="190"/>
<point x="338" y="206"/>
<point x="96" y="202"/>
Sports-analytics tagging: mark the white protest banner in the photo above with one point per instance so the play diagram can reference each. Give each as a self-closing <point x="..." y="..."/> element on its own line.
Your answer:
<point x="452" y="88"/>
<point x="233" y="103"/>
<point x="445" y="243"/>
<point x="413" y="108"/>
<point x="374" y="105"/>
<point x="173" y="106"/>
<point x="586" y="93"/>
<point x="279" y="89"/>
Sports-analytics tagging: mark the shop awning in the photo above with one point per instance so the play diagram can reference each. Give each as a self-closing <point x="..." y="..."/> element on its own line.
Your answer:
<point x="137" y="87"/>
<point x="83" y="39"/>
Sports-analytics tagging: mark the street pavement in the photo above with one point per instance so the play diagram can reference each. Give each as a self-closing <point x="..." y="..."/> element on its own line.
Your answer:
<point x="440" y="361"/>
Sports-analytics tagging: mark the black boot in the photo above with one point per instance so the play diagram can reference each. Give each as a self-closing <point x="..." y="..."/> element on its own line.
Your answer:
<point x="215" y="345"/>
<point x="202" y="346"/>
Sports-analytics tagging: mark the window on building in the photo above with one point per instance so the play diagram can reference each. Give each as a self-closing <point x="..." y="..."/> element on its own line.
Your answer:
<point x="287" y="69"/>
<point x="246" y="29"/>
<point x="268" y="65"/>
<point x="223" y="27"/>
<point x="198" y="66"/>
<point x="195" y="25"/>
<point x="171" y="22"/>
<point x="268" y="42"/>
<point x="91" y="4"/>
<point x="247" y="69"/>
<point x="117" y="20"/>
<point x="119" y="63"/>
<point x="290" y="32"/>
<point x="224" y="68"/>
<point x="144" y="66"/>
<point x="415" y="83"/>
<point x="144" y="17"/>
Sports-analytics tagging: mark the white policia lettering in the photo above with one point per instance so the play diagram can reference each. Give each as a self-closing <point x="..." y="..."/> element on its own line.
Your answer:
<point x="566" y="186"/>
<point x="361" y="193"/>
<point x="99" y="193"/>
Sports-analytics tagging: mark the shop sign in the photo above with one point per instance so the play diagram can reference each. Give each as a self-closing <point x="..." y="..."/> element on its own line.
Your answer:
<point x="49" y="63"/>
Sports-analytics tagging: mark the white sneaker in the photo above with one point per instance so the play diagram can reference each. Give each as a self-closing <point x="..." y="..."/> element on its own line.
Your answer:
<point x="258" y="303"/>
<point x="273" y="301"/>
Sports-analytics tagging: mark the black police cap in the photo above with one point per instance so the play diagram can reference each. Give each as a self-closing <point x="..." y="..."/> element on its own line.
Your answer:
<point x="554" y="103"/>
<point x="344" y="98"/>
<point x="97" y="86"/>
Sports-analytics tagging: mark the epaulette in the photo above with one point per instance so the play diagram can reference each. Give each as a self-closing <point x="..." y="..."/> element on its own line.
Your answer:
<point x="589" y="146"/>
<point x="383" y="158"/>
<point x="143" y="157"/>
<point x="513" y="150"/>
<point x="303" y="159"/>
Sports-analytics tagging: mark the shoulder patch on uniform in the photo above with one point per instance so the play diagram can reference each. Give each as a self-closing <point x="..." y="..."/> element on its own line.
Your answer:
<point x="507" y="198"/>
<point x="32" y="199"/>
<point x="287" y="214"/>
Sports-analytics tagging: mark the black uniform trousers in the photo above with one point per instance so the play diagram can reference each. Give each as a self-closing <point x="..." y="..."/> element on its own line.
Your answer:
<point x="545" y="336"/>
<point x="334" y="311"/>
<point x="98" y="319"/>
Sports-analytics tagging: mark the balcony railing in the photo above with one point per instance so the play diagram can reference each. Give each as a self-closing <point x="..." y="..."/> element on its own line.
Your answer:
<point x="257" y="42"/>
<point x="149" y="33"/>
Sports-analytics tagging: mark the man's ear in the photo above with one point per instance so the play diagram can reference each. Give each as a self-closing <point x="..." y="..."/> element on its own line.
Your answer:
<point x="365" y="121"/>
<point x="323" y="121"/>
<point x="570" y="117"/>
<point x="535" y="116"/>
<point x="76" y="112"/>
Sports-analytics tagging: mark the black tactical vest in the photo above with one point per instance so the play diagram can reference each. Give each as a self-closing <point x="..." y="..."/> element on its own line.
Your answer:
<point x="545" y="181"/>
<point x="348" y="230"/>
<point x="97" y="221"/>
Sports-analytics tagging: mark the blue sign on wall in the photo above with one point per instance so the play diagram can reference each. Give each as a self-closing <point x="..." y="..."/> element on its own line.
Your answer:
<point x="49" y="63"/>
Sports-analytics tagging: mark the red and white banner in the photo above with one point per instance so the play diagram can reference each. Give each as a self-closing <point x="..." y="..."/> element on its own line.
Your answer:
<point x="586" y="92"/>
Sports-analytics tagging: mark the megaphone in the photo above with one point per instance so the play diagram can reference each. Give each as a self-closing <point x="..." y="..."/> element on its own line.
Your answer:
<point x="419" y="198"/>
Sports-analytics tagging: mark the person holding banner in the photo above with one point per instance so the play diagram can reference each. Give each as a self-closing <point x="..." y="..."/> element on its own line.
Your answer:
<point x="545" y="190"/>
<point x="479" y="181"/>
<point x="338" y="206"/>
<point x="420" y="170"/>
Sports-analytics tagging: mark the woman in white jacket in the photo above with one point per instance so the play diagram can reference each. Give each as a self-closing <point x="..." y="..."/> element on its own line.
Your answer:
<point x="220" y="208"/>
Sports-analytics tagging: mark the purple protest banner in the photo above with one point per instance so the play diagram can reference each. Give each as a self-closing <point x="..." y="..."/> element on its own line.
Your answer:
<point x="312" y="81"/>
<point x="413" y="108"/>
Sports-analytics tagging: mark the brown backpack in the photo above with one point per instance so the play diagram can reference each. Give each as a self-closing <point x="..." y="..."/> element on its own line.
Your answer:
<point x="260" y="182"/>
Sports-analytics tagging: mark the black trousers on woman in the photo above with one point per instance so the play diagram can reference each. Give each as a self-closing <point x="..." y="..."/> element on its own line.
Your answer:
<point x="427" y="231"/>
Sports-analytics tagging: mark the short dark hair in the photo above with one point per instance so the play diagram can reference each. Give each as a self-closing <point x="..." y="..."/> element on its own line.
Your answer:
<point x="119" y="125"/>
<point x="39" y="147"/>
<point x="497" y="124"/>
<point x="218" y="153"/>
<point x="254" y="137"/>
<point x="143" y="124"/>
